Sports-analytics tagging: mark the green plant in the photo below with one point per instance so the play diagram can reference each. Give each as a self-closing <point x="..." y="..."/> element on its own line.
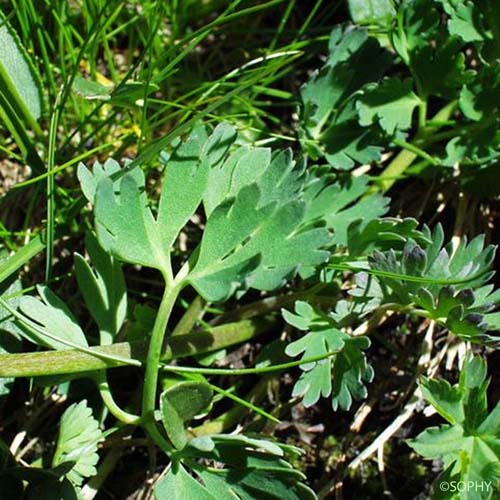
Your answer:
<point x="238" y="292"/>
<point x="468" y="444"/>
<point x="435" y="55"/>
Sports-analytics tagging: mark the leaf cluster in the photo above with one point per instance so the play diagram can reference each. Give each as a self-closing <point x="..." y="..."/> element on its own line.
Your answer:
<point x="469" y="444"/>
<point x="429" y="54"/>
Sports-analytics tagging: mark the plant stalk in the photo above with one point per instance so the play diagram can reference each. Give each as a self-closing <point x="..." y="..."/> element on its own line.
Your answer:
<point x="155" y="350"/>
<point x="111" y="405"/>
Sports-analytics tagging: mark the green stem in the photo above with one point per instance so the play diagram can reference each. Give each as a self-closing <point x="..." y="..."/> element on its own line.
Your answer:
<point x="245" y="404"/>
<point x="42" y="333"/>
<point x="238" y="400"/>
<point x="236" y="413"/>
<point x="394" y="170"/>
<point x="114" y="409"/>
<point x="416" y="150"/>
<point x="247" y="371"/>
<point x="422" y="114"/>
<point x="270" y="304"/>
<point x="407" y="277"/>
<point x="155" y="350"/>
<point x="50" y="187"/>
<point x="153" y="363"/>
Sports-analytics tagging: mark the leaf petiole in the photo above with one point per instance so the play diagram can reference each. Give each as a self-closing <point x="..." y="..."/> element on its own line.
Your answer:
<point x="153" y="362"/>
<point x="406" y="277"/>
<point x="112" y="406"/>
<point x="247" y="371"/>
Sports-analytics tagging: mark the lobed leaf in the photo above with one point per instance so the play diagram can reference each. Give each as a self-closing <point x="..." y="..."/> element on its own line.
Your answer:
<point x="79" y="436"/>
<point x="340" y="376"/>
<point x="470" y="445"/>
<point x="436" y="266"/>
<point x="246" y="244"/>
<point x="51" y="313"/>
<point x="341" y="204"/>
<point x="247" y="469"/>
<point x="390" y="103"/>
<point x="329" y="117"/>
<point x="256" y="232"/>
<point x="103" y="289"/>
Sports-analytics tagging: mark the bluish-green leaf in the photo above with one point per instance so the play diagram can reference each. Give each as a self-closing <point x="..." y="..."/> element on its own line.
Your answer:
<point x="341" y="376"/>
<point x="103" y="288"/>
<point x="51" y="313"/>
<point x="19" y="81"/>
<point x="79" y="436"/>
<point x="179" y="404"/>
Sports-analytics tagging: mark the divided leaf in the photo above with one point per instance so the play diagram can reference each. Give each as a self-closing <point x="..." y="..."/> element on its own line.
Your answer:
<point x="470" y="444"/>
<point x="103" y="289"/>
<point x="329" y="118"/>
<point x="426" y="47"/>
<point x="341" y="204"/>
<point x="125" y="222"/>
<point x="348" y="369"/>
<point x="390" y="103"/>
<point x="438" y="279"/>
<point x="50" y="312"/>
<point x="185" y="179"/>
<point x="245" y="241"/>
<point x="256" y="232"/>
<point x="79" y="436"/>
<point x="382" y="234"/>
<point x="247" y="469"/>
<point x="89" y="178"/>
<point x="467" y="19"/>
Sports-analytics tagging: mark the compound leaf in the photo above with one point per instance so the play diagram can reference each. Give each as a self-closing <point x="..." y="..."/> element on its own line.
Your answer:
<point x="329" y="118"/>
<point x="79" y="436"/>
<point x="470" y="444"/>
<point x="466" y="19"/>
<point x="247" y="469"/>
<point x="348" y="368"/>
<point x="390" y="103"/>
<point x="445" y="280"/>
<point x="425" y="45"/>
<point x="256" y="233"/>
<point x="51" y="312"/>
<point x="103" y="288"/>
